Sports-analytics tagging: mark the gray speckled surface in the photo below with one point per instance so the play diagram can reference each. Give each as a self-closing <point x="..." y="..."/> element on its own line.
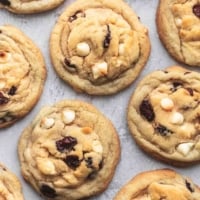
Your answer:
<point x="133" y="160"/>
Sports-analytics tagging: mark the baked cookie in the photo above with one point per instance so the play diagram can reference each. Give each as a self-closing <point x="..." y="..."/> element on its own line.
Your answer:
<point x="22" y="75"/>
<point x="157" y="185"/>
<point x="29" y="6"/>
<point x="10" y="187"/>
<point x="164" y="115"/>
<point x="178" y="24"/>
<point x="99" y="46"/>
<point x="70" y="151"/>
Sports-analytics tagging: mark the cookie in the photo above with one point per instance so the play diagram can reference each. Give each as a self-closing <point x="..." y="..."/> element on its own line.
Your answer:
<point x="70" y="151"/>
<point x="178" y="24"/>
<point x="157" y="185"/>
<point x="163" y="115"/>
<point x="99" y="47"/>
<point x="29" y="6"/>
<point x="23" y="73"/>
<point x="10" y="187"/>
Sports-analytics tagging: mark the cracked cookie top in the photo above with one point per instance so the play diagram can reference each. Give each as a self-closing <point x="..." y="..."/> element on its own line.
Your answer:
<point x="69" y="148"/>
<point x="29" y="6"/>
<point x="10" y="187"/>
<point x="178" y="23"/>
<point x="99" y="47"/>
<point x="163" y="115"/>
<point x="161" y="184"/>
<point x="22" y="74"/>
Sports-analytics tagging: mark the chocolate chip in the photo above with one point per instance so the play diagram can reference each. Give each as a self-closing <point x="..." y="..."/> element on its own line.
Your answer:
<point x="187" y="73"/>
<point x="12" y="90"/>
<point x="5" y="2"/>
<point x="176" y="85"/>
<point x="92" y="175"/>
<point x="190" y="90"/>
<point x="69" y="66"/>
<point x="196" y="10"/>
<point x="48" y="191"/>
<point x="3" y="99"/>
<point x="146" y="110"/>
<point x="188" y="185"/>
<point x="162" y="130"/>
<point x="107" y="39"/>
<point x="2" y="54"/>
<point x="89" y="162"/>
<point x="76" y="15"/>
<point x="66" y="143"/>
<point x="72" y="161"/>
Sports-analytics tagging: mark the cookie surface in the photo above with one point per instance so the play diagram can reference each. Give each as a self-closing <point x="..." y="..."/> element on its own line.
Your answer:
<point x="69" y="151"/>
<point x="23" y="73"/>
<point x="29" y="6"/>
<point x="157" y="185"/>
<point x="99" y="47"/>
<point x="163" y="115"/>
<point x="178" y="24"/>
<point x="10" y="187"/>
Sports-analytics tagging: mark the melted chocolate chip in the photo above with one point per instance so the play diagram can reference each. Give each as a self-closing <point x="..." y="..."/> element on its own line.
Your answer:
<point x="89" y="162"/>
<point x="196" y="10"/>
<point x="176" y="85"/>
<point x="3" y="99"/>
<point x="72" y="161"/>
<point x="75" y="16"/>
<point x="69" y="66"/>
<point x="66" y="143"/>
<point x="188" y="185"/>
<point x="92" y="175"/>
<point x="2" y="54"/>
<point x="107" y="39"/>
<point x="12" y="90"/>
<point x="146" y="110"/>
<point x="5" y="2"/>
<point x="190" y="90"/>
<point x="162" y="130"/>
<point x="48" y="191"/>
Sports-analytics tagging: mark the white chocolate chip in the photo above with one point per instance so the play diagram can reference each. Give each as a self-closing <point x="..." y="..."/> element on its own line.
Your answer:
<point x="121" y="49"/>
<point x="46" y="166"/>
<point x="47" y="123"/>
<point x="167" y="104"/>
<point x="68" y="116"/>
<point x="2" y="84"/>
<point x="97" y="147"/>
<point x="100" y="69"/>
<point x="177" y="118"/>
<point x="83" y="49"/>
<point x="185" y="148"/>
<point x="178" y="22"/>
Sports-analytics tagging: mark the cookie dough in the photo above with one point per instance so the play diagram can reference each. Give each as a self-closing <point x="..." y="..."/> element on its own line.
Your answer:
<point x="163" y="115"/>
<point x="178" y="24"/>
<point x="70" y="151"/>
<point x="29" y="6"/>
<point x="99" y="47"/>
<point x="10" y="187"/>
<point x="22" y="75"/>
<point x="159" y="185"/>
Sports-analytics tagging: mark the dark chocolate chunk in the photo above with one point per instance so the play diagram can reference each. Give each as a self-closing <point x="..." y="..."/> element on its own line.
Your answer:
<point x="107" y="39"/>
<point x="196" y="10"/>
<point x="75" y="16"/>
<point x="3" y="99"/>
<point x="12" y="90"/>
<point x="146" y="110"/>
<point x="188" y="185"/>
<point x="162" y="130"/>
<point x="48" y="191"/>
<point x="89" y="162"/>
<point x="176" y="85"/>
<point x="190" y="90"/>
<point x="66" y="143"/>
<point x="72" y="161"/>
<point x="5" y="2"/>
<point x="69" y="66"/>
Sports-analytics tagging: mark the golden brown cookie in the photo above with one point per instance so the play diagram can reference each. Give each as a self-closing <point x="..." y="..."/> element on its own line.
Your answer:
<point x="10" y="187"/>
<point x="99" y="47"/>
<point x="163" y="184"/>
<point x="70" y="151"/>
<point x="163" y="115"/>
<point x="178" y="24"/>
<point x="29" y="6"/>
<point x="22" y="74"/>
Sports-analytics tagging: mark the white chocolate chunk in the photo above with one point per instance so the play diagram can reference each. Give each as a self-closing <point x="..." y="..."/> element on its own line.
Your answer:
<point x="4" y="57"/>
<point x="100" y="69"/>
<point x="97" y="147"/>
<point x="83" y="49"/>
<point x="47" y="123"/>
<point x="178" y="22"/>
<point x="68" y="116"/>
<point x="121" y="49"/>
<point x="167" y="104"/>
<point x="185" y="148"/>
<point x="177" y="118"/>
<point x="46" y="166"/>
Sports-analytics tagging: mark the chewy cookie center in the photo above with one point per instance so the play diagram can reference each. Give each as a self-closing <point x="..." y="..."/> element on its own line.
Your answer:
<point x="100" y="45"/>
